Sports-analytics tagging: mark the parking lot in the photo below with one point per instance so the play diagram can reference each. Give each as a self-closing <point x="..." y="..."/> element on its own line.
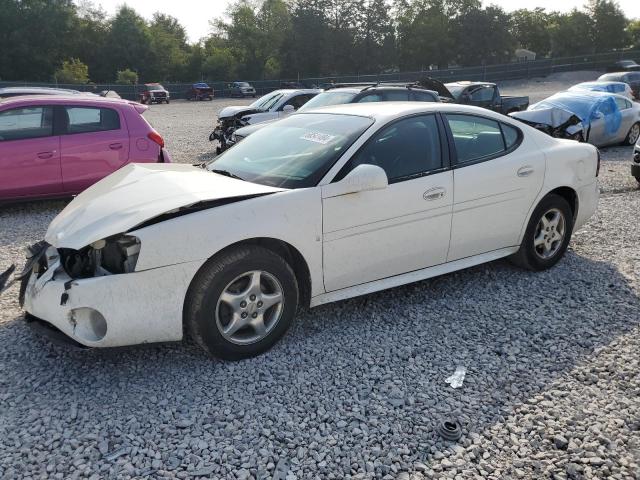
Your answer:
<point x="357" y="388"/>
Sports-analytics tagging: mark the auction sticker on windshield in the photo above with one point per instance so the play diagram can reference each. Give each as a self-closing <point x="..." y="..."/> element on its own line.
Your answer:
<point x="318" y="137"/>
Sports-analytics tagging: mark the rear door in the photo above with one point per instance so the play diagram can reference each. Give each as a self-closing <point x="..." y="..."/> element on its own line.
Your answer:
<point x="497" y="176"/>
<point x="628" y="118"/>
<point x="29" y="153"/>
<point x="95" y="143"/>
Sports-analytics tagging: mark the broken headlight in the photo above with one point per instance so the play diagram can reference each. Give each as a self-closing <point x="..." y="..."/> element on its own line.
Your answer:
<point x="111" y="256"/>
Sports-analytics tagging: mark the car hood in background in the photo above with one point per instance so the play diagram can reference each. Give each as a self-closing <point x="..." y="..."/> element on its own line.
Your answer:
<point x="552" y="117"/>
<point x="228" y="112"/>
<point x="138" y="193"/>
<point x="438" y="86"/>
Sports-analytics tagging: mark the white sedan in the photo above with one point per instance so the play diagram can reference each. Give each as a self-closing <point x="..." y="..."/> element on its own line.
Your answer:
<point x="322" y="206"/>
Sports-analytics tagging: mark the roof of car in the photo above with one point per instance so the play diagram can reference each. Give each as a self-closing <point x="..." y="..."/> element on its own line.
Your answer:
<point x="296" y="91"/>
<point x="48" y="90"/>
<point x="468" y="83"/>
<point x="62" y="100"/>
<point x="383" y="111"/>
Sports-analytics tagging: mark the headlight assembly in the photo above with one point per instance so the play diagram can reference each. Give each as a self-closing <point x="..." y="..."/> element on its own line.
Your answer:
<point x="111" y="256"/>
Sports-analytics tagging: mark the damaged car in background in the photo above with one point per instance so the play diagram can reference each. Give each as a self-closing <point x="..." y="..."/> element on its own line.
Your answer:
<point x="271" y="106"/>
<point x="595" y="117"/>
<point x="319" y="207"/>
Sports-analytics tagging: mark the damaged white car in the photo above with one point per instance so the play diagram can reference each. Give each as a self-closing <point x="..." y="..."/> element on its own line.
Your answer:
<point x="321" y="206"/>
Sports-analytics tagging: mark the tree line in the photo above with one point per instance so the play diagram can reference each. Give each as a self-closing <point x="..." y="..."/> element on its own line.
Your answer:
<point x="45" y="40"/>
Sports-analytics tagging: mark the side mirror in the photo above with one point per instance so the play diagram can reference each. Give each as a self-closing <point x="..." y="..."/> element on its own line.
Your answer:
<point x="363" y="178"/>
<point x="288" y="109"/>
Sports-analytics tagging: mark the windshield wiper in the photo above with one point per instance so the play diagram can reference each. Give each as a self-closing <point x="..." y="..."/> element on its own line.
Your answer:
<point x="226" y="173"/>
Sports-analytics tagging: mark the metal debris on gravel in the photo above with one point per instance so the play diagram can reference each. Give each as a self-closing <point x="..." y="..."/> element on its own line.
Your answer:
<point x="355" y="389"/>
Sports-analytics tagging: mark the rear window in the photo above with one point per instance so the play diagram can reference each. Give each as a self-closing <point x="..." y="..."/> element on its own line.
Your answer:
<point x="25" y="123"/>
<point x="328" y="98"/>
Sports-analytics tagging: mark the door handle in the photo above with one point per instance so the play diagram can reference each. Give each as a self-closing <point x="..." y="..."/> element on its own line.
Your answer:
<point x="115" y="146"/>
<point x="434" y="194"/>
<point x="525" y="171"/>
<point x="45" y="155"/>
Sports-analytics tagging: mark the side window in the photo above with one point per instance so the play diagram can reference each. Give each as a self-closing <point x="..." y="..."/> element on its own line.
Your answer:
<point x="622" y="103"/>
<point x="396" y="96"/>
<point x="406" y="148"/>
<point x="483" y="94"/>
<point x="372" y="97"/>
<point x="419" y="96"/>
<point x="475" y="137"/>
<point x="511" y="135"/>
<point x="91" y="119"/>
<point x="297" y="101"/>
<point x="24" y="123"/>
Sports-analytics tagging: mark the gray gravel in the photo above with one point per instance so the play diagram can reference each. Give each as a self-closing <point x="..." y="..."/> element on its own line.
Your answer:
<point x="356" y="389"/>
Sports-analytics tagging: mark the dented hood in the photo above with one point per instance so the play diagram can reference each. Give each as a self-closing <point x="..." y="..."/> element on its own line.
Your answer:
<point x="229" y="112"/>
<point x="138" y="193"/>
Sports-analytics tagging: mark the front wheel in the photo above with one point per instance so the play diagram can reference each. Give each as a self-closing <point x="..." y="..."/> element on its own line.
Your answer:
<point x="633" y="135"/>
<point x="547" y="236"/>
<point x="241" y="302"/>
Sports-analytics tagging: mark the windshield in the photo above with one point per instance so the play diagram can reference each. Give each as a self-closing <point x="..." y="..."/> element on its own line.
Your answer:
<point x="268" y="101"/>
<point x="456" y="90"/>
<point x="243" y="84"/>
<point x="328" y="98"/>
<point x="155" y="88"/>
<point x="292" y="153"/>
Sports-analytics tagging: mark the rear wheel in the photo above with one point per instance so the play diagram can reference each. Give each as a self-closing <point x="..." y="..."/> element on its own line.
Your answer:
<point x="241" y="303"/>
<point x="547" y="236"/>
<point x="633" y="135"/>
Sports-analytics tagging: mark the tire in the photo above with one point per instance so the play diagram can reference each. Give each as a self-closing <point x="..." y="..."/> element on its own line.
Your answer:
<point x="209" y="319"/>
<point x="167" y="101"/>
<point x="533" y="258"/>
<point x="633" y="135"/>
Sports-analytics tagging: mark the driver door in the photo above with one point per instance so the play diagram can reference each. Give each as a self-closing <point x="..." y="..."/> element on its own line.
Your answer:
<point x="372" y="235"/>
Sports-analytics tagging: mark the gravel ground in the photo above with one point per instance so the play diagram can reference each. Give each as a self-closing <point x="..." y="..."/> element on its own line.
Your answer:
<point x="357" y="388"/>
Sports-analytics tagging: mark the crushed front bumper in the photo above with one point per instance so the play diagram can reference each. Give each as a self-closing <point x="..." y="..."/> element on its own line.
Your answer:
<point x="113" y="310"/>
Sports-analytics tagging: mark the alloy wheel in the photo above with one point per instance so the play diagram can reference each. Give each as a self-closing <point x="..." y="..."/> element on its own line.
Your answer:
<point x="249" y="307"/>
<point x="550" y="234"/>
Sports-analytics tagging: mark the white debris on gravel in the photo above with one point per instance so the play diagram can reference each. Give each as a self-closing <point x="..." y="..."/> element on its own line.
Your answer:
<point x="355" y="389"/>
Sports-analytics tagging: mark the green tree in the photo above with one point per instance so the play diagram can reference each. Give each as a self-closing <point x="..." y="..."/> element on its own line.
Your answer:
<point x="570" y="34"/>
<point x="169" y="48"/>
<point x="482" y="36"/>
<point x="530" y="29"/>
<point x="72" y="71"/>
<point x="90" y="31"/>
<point x="633" y="30"/>
<point x="609" y="24"/>
<point x="129" y="44"/>
<point x="127" y="77"/>
<point x="35" y="36"/>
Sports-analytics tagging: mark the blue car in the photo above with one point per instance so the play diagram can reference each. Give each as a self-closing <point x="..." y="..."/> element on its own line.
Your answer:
<point x="598" y="118"/>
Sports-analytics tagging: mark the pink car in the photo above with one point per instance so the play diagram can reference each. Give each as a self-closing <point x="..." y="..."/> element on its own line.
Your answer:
<point x="56" y="146"/>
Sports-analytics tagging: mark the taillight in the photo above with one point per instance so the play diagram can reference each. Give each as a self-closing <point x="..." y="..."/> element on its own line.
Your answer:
<point x="598" y="167"/>
<point x="156" y="138"/>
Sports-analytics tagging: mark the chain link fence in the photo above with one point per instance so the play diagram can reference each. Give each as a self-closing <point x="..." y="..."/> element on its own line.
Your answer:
<point x="489" y="73"/>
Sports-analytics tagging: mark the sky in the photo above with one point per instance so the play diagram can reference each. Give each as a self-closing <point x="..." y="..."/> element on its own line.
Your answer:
<point x="194" y="15"/>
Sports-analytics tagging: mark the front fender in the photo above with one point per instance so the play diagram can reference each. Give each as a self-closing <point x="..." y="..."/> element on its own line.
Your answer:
<point x="292" y="216"/>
